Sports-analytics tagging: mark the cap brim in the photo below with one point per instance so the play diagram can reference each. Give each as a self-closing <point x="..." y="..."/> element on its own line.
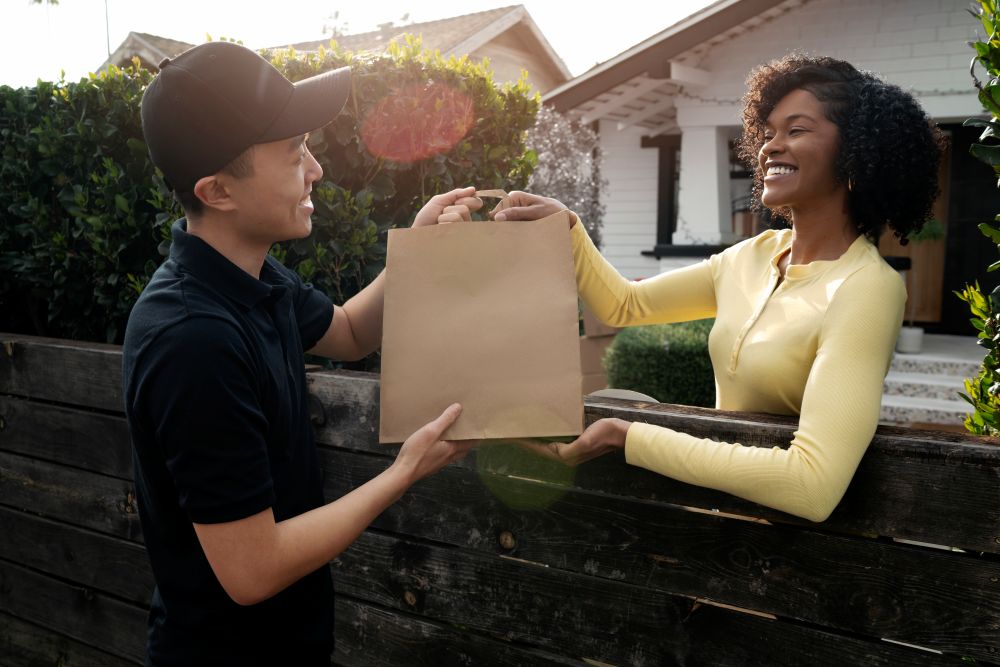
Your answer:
<point x="314" y="102"/>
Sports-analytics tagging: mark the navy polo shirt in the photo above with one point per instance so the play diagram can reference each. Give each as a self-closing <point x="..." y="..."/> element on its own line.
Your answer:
<point x="216" y="402"/>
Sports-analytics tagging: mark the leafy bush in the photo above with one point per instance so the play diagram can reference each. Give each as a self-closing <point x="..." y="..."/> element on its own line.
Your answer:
<point x="81" y="209"/>
<point x="669" y="362"/>
<point x="410" y="105"/>
<point x="983" y="391"/>
<point x="84" y="215"/>
<point x="569" y="167"/>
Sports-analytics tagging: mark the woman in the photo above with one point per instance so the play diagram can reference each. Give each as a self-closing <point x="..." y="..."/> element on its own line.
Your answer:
<point x="806" y="317"/>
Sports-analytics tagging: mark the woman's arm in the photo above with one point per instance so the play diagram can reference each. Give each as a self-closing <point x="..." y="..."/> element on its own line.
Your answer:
<point x="840" y="411"/>
<point x="675" y="296"/>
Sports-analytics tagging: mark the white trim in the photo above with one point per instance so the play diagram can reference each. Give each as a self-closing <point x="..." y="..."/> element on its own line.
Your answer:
<point x="517" y="15"/>
<point x="710" y="116"/>
<point x="490" y="32"/>
<point x="643" y="85"/>
<point x="648" y="112"/>
<point x="670" y="127"/>
<point x="684" y="24"/>
<point x="686" y="75"/>
<point x="537" y="32"/>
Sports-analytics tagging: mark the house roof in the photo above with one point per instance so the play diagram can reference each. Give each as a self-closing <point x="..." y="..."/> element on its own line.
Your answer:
<point x="458" y="35"/>
<point x="150" y="49"/>
<point x="637" y="87"/>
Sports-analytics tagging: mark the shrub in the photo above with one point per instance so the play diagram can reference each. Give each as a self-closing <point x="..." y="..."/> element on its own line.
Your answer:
<point x="569" y="167"/>
<point x="983" y="391"/>
<point x="84" y="216"/>
<point x="81" y="209"/>
<point x="669" y="362"/>
<point x="411" y="106"/>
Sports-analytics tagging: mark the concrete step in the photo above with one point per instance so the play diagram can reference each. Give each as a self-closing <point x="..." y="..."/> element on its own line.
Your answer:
<point x="925" y="385"/>
<point x="929" y="364"/>
<point x="911" y="409"/>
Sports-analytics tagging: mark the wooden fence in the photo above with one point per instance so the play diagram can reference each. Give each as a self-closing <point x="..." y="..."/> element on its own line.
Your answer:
<point x="508" y="559"/>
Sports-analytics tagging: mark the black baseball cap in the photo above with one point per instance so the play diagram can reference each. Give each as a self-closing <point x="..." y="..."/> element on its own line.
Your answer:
<point x="212" y="102"/>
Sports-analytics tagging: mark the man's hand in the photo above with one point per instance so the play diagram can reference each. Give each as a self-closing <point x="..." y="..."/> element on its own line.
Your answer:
<point x="526" y="206"/>
<point x="255" y="557"/>
<point x="601" y="437"/>
<point x="452" y="206"/>
<point x="424" y="452"/>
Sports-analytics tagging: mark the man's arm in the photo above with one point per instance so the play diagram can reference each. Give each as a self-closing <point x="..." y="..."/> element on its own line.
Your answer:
<point x="255" y="558"/>
<point x="356" y="328"/>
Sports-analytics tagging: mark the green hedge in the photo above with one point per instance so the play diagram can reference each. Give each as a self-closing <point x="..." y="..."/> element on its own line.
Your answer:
<point x="84" y="216"/>
<point x="80" y="206"/>
<point x="669" y="362"/>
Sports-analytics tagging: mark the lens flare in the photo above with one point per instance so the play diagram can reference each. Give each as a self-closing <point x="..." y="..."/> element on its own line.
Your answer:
<point x="417" y="122"/>
<point x="522" y="479"/>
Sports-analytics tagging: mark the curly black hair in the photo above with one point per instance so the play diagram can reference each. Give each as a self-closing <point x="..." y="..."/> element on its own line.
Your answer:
<point x="889" y="149"/>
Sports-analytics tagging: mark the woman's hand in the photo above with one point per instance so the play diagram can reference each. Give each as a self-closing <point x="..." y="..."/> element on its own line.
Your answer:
<point x="601" y="437"/>
<point x="449" y="207"/>
<point x="526" y="206"/>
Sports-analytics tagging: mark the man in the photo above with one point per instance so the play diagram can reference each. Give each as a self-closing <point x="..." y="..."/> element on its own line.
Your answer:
<point x="226" y="469"/>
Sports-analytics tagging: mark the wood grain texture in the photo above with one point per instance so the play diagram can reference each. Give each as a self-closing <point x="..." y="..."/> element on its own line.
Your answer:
<point x="25" y="644"/>
<point x="78" y="612"/>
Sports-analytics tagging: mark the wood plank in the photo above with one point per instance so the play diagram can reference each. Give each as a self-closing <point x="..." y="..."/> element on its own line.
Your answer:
<point x="867" y="586"/>
<point x="86" y="558"/>
<point x="716" y="640"/>
<point x="26" y="644"/>
<point x="585" y="617"/>
<point x="942" y="488"/>
<point x="73" y="496"/>
<point x="64" y="371"/>
<point x="933" y="469"/>
<point x="370" y="636"/>
<point x="688" y="553"/>
<point x="90" y="440"/>
<point x="79" y="612"/>
<point x="350" y="410"/>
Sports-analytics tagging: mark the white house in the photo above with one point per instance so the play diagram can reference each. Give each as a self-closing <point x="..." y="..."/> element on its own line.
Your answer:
<point x="668" y="109"/>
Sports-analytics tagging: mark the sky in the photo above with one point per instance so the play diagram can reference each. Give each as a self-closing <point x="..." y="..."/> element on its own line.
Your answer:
<point x="39" y="41"/>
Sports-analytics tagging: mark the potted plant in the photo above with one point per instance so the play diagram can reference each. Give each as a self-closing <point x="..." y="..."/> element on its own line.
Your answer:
<point x="911" y="337"/>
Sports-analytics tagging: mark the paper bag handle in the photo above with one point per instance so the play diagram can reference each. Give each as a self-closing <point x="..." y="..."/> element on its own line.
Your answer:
<point x="501" y="195"/>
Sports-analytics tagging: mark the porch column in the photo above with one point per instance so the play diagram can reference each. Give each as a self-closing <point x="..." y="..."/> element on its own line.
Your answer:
<point x="704" y="206"/>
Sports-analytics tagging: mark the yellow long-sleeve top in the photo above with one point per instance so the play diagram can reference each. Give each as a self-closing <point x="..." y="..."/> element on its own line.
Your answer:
<point x="818" y="345"/>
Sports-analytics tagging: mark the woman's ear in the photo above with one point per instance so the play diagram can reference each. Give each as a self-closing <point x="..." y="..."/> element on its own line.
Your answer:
<point x="213" y="193"/>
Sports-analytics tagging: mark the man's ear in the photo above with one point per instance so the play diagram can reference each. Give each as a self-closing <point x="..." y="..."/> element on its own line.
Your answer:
<point x="214" y="193"/>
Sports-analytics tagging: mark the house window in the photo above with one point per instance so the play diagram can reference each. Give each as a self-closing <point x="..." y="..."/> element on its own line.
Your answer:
<point x="668" y="186"/>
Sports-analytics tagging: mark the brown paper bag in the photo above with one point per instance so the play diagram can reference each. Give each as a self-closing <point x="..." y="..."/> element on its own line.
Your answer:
<point x="483" y="314"/>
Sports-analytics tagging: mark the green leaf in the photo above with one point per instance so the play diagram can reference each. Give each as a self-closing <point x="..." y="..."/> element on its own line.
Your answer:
<point x="991" y="127"/>
<point x="987" y="99"/>
<point x="988" y="154"/>
<point x="990" y="232"/>
<point x="382" y="186"/>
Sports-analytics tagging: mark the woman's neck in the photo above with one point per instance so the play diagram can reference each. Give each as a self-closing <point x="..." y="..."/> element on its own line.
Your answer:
<point x="823" y="232"/>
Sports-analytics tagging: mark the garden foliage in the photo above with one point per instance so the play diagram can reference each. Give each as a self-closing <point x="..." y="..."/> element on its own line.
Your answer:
<point x="84" y="216"/>
<point x="669" y="362"/>
<point x="983" y="391"/>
